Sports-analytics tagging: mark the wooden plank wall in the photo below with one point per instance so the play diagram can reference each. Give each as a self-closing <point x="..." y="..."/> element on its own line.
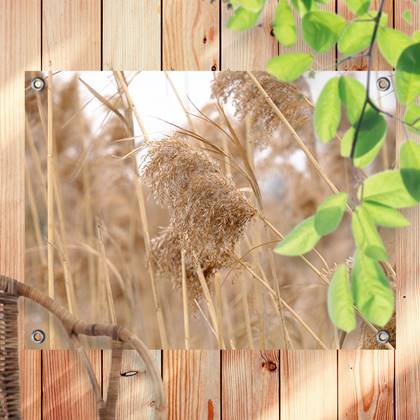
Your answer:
<point x="188" y="35"/>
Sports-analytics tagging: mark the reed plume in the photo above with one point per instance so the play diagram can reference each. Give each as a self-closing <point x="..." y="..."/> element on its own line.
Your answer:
<point x="207" y="213"/>
<point x="238" y="88"/>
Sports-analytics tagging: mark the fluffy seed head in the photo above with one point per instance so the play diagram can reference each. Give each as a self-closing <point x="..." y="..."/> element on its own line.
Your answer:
<point x="247" y="100"/>
<point x="207" y="212"/>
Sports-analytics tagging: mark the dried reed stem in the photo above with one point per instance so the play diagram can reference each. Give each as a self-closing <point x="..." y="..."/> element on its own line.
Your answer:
<point x="50" y="203"/>
<point x="210" y="305"/>
<point x="35" y="218"/>
<point x="255" y="238"/>
<point x="131" y="105"/>
<point x="108" y="289"/>
<point x="292" y="311"/>
<point x="247" y="319"/>
<point x="205" y="318"/>
<point x="219" y="303"/>
<point x="174" y="89"/>
<point x="143" y="217"/>
<point x="298" y="140"/>
<point x="263" y="282"/>
<point x="89" y="233"/>
<point x="62" y="244"/>
<point x="185" y="302"/>
<point x="36" y="159"/>
<point x="284" y="331"/>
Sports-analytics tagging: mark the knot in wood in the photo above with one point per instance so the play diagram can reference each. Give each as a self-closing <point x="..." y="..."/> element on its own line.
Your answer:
<point x="269" y="365"/>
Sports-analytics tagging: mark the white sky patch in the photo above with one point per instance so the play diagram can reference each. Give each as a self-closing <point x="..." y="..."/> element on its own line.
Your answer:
<point x="158" y="105"/>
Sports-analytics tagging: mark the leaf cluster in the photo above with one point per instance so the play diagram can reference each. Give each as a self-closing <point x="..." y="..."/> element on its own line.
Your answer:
<point x="380" y="198"/>
<point x="382" y="195"/>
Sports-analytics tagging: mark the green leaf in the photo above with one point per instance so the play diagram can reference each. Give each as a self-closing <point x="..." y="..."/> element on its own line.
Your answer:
<point x="355" y="37"/>
<point x="407" y="16"/>
<point x="330" y="213"/>
<point x="243" y="19"/>
<point x="322" y="29"/>
<point x="372" y="132"/>
<point x="407" y="74"/>
<point x="252" y="5"/>
<point x="358" y="7"/>
<point x="416" y="36"/>
<point x="352" y="95"/>
<point x="392" y="43"/>
<point x="370" y="138"/>
<point x="347" y="142"/>
<point x="410" y="167"/>
<point x="289" y="67"/>
<point x="340" y="300"/>
<point x="284" y="27"/>
<point x="366" y="235"/>
<point x="385" y="216"/>
<point x="371" y="291"/>
<point x="300" y="240"/>
<point x="412" y="117"/>
<point x="387" y="188"/>
<point x="303" y="6"/>
<point x="327" y="113"/>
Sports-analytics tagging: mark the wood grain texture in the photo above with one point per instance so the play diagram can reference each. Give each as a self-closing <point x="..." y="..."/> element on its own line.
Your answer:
<point x="71" y="40"/>
<point x="190" y="35"/>
<point x="366" y="384"/>
<point x="250" y="384"/>
<point x="66" y="390"/>
<point x="135" y="396"/>
<point x="71" y="34"/>
<point x="407" y="356"/>
<point x="30" y="393"/>
<point x="248" y="49"/>
<point x="378" y="62"/>
<point x="21" y="50"/>
<point x="131" y="34"/>
<point x="308" y="384"/>
<point x="192" y="384"/>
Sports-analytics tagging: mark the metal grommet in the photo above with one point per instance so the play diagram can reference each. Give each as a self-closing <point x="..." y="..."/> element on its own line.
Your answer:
<point x="382" y="337"/>
<point x="129" y="373"/>
<point x="38" y="83"/>
<point x="38" y="336"/>
<point x="383" y="84"/>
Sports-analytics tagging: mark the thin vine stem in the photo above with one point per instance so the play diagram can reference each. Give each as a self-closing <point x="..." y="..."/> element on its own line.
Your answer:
<point x="367" y="96"/>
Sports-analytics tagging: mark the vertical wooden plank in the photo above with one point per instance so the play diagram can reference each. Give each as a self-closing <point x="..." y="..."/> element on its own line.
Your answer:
<point x="71" y="40"/>
<point x="192" y="384"/>
<point x="378" y="62"/>
<point x="30" y="392"/>
<point x="20" y="46"/>
<point x="407" y="355"/>
<point x="71" y="34"/>
<point x="366" y="384"/>
<point x="308" y="381"/>
<point x="135" y="396"/>
<point x="250" y="384"/>
<point x="21" y="50"/>
<point x="248" y="50"/>
<point x="66" y="389"/>
<point x="324" y="61"/>
<point x="190" y="35"/>
<point x="131" y="34"/>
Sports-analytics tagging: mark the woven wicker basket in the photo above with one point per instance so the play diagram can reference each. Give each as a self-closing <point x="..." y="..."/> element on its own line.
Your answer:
<point x="10" y="292"/>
